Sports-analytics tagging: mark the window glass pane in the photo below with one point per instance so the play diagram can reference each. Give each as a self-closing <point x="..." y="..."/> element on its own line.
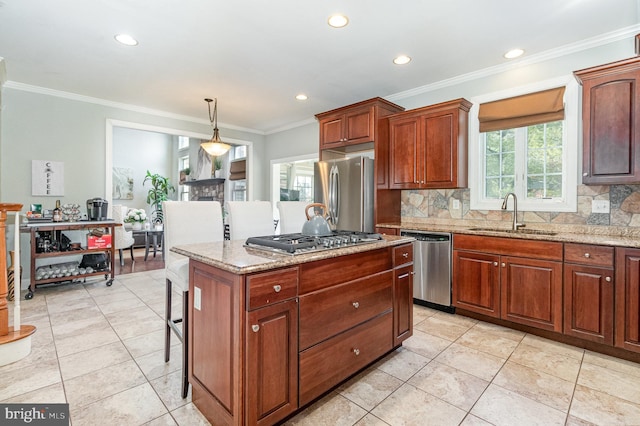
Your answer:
<point x="508" y="140"/>
<point x="508" y="164"/>
<point x="493" y="165"/>
<point x="554" y="186"/>
<point x="544" y="158"/>
<point x="508" y="185"/>
<point x="492" y="188"/>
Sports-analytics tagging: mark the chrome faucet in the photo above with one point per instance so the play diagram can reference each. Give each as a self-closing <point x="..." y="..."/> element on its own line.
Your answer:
<point x="515" y="225"/>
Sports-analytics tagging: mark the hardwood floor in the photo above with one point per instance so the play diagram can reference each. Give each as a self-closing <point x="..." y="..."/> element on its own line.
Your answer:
<point x="139" y="265"/>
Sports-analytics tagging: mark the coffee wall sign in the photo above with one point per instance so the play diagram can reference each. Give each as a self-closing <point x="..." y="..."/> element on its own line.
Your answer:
<point x="47" y="178"/>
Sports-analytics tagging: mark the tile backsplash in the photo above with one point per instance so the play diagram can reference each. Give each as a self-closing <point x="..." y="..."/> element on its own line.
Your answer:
<point x="438" y="204"/>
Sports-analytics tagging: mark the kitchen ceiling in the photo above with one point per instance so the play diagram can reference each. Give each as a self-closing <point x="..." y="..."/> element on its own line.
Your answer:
<point x="255" y="56"/>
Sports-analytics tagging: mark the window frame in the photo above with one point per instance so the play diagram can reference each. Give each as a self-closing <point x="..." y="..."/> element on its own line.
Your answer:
<point x="571" y="132"/>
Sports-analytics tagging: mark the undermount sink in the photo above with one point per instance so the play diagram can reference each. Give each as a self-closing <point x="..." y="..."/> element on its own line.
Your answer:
<point x="519" y="231"/>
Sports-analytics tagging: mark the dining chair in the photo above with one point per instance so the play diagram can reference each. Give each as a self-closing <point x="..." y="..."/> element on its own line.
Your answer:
<point x="292" y="216"/>
<point x="250" y="219"/>
<point x="185" y="222"/>
<point x="123" y="239"/>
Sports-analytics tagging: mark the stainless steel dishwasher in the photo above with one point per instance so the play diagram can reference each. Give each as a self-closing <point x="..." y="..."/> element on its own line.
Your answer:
<point x="432" y="268"/>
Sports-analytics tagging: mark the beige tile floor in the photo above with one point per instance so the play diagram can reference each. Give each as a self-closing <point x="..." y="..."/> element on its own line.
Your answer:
<point x="101" y="350"/>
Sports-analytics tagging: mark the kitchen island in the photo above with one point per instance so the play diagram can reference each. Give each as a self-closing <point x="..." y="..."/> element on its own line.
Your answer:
<point x="269" y="333"/>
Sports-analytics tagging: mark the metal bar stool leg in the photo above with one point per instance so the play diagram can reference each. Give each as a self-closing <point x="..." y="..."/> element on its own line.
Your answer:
<point x="167" y="331"/>
<point x="185" y="344"/>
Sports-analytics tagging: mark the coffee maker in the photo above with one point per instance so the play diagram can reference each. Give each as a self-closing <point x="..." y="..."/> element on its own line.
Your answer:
<point x="97" y="209"/>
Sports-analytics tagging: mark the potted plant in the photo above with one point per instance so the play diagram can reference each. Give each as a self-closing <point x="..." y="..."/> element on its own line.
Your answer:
<point x="159" y="192"/>
<point x="184" y="174"/>
<point x="217" y="167"/>
<point x="136" y="217"/>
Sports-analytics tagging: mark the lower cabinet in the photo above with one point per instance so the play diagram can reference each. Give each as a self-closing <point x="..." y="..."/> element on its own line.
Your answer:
<point x="476" y="280"/>
<point x="264" y="344"/>
<point x="531" y="292"/>
<point x="627" y="308"/>
<point x="526" y="289"/>
<point x="588" y="292"/>
<point x="272" y="363"/>
<point x="402" y="293"/>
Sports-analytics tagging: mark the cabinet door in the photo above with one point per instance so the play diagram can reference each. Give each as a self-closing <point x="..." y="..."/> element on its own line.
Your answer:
<point x="476" y="282"/>
<point x="588" y="303"/>
<point x="611" y="128"/>
<point x="332" y="131"/>
<point x="403" y="152"/>
<point x="402" y="304"/>
<point x="360" y="125"/>
<point x="387" y="231"/>
<point x="272" y="363"/>
<point x="531" y="292"/>
<point x="437" y="154"/>
<point x="627" y="288"/>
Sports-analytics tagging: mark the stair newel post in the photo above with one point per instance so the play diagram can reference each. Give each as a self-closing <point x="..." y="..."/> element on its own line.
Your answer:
<point x="4" y="286"/>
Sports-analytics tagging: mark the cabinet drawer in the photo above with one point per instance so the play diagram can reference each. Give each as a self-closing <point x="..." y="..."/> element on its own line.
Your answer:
<point x="587" y="254"/>
<point x="329" y="363"/>
<point x="271" y="287"/>
<point x="324" y="273"/>
<point x="402" y="254"/>
<point x="328" y="312"/>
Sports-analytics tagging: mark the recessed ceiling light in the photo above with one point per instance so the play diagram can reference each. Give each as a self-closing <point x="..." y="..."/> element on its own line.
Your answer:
<point x="513" y="53"/>
<point x="126" y="39"/>
<point x="401" y="60"/>
<point x="301" y="97"/>
<point x="338" y="21"/>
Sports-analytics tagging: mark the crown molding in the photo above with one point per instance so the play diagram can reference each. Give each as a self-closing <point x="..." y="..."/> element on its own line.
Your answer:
<point x="134" y="108"/>
<point x="567" y="49"/>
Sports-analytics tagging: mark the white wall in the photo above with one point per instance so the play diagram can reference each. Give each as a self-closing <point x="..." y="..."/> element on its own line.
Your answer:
<point x="140" y="151"/>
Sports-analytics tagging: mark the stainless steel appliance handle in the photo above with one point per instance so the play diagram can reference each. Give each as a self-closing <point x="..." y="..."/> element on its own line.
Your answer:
<point x="333" y="194"/>
<point x="336" y="202"/>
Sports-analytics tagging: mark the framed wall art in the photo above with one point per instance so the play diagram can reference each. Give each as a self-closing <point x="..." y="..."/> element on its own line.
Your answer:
<point x="122" y="183"/>
<point x="47" y="178"/>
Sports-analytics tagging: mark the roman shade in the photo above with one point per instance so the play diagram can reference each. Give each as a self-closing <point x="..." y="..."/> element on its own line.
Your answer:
<point x="238" y="170"/>
<point x="520" y="111"/>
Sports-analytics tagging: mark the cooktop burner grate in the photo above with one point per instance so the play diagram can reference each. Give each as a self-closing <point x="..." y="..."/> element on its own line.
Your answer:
<point x="298" y="243"/>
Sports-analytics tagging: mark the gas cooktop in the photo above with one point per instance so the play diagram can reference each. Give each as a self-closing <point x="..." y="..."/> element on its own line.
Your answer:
<point x="300" y="244"/>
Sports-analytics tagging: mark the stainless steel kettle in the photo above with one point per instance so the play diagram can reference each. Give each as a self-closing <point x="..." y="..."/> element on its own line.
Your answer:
<point x="316" y="226"/>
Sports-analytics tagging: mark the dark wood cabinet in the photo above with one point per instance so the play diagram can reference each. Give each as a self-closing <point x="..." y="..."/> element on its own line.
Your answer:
<point x="355" y="125"/>
<point x="272" y="363"/>
<point x="588" y="292"/>
<point x="264" y="344"/>
<point x="428" y="146"/>
<point x="520" y="283"/>
<point x="402" y="293"/>
<point x="476" y="278"/>
<point x="627" y="299"/>
<point x="387" y="231"/>
<point x="531" y="292"/>
<point x="611" y="122"/>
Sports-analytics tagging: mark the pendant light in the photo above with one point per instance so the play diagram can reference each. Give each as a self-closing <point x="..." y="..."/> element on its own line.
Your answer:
<point x="215" y="146"/>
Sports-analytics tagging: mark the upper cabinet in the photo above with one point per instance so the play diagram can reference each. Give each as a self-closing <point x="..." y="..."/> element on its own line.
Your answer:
<point x="353" y="124"/>
<point x="611" y="122"/>
<point x="428" y="146"/>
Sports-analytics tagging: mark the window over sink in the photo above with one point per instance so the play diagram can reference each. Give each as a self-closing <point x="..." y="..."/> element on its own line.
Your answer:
<point x="535" y="157"/>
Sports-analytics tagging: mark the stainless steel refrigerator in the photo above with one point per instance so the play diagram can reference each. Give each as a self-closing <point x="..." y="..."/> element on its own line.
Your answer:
<point x="346" y="187"/>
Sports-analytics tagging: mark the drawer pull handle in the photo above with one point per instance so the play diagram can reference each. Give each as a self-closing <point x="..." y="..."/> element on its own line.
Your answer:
<point x="405" y="255"/>
<point x="495" y="263"/>
<point x="356" y="351"/>
<point x="403" y="276"/>
<point x="607" y="279"/>
<point x="504" y="264"/>
<point x="255" y="328"/>
<point x="277" y="288"/>
<point x="356" y="305"/>
<point x="587" y="255"/>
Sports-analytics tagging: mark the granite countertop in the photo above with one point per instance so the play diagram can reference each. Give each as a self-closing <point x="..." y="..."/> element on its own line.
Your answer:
<point x="234" y="257"/>
<point x="583" y="234"/>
